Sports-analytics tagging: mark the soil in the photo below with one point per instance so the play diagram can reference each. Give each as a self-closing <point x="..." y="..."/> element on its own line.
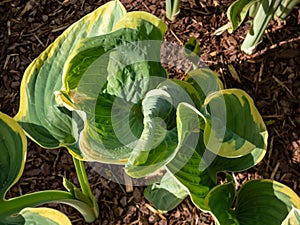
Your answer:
<point x="270" y="76"/>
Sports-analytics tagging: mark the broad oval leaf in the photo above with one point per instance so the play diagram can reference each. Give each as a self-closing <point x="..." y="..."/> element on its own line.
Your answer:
<point x="263" y="202"/>
<point x="258" y="202"/>
<point x="197" y="182"/>
<point x="47" y="123"/>
<point x="105" y="81"/>
<point x="166" y="195"/>
<point x="205" y="81"/>
<point x="196" y="166"/>
<point x="13" y="146"/>
<point x="235" y="127"/>
<point x="220" y="200"/>
<point x="44" y="216"/>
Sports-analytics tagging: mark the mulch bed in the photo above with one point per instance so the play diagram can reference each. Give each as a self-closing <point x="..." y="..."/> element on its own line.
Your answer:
<point x="270" y="76"/>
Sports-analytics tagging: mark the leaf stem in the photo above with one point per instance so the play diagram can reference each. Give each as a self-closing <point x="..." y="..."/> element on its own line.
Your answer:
<point x="84" y="184"/>
<point x="15" y="205"/>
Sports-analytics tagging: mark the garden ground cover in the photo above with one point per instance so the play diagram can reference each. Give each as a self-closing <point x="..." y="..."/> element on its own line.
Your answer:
<point x="270" y="76"/>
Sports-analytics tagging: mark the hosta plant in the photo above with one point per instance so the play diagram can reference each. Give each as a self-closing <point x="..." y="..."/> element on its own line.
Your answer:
<point x="18" y="210"/>
<point x="101" y="91"/>
<point x="261" y="12"/>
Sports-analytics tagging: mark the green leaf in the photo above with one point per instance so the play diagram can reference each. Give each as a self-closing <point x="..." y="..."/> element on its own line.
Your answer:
<point x="158" y="143"/>
<point x="197" y="182"/>
<point x="47" y="123"/>
<point x="12" y="153"/>
<point x="235" y="128"/>
<point x="12" y="159"/>
<point x="264" y="14"/>
<point x="258" y="202"/>
<point x="205" y="81"/>
<point x="106" y="79"/>
<point x="44" y="216"/>
<point x="172" y="9"/>
<point x="237" y="12"/>
<point x="219" y="163"/>
<point x="192" y="50"/>
<point x="187" y="166"/>
<point x="76" y="192"/>
<point x="293" y="217"/>
<point x="263" y="202"/>
<point x="134" y="19"/>
<point x="167" y="194"/>
<point x="220" y="200"/>
<point x="198" y="161"/>
<point x="285" y="8"/>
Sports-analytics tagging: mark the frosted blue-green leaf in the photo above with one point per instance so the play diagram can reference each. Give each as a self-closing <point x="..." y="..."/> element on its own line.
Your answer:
<point x="46" y="122"/>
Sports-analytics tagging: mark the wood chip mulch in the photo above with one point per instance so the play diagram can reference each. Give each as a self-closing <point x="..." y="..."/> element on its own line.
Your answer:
<point x="270" y="76"/>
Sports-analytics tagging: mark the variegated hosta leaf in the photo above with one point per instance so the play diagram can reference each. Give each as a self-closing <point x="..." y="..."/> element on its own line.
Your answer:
<point x="293" y="217"/>
<point x="134" y="19"/>
<point x="12" y="153"/>
<point x="105" y="81"/>
<point x="265" y="202"/>
<point x="192" y="51"/>
<point x="186" y="165"/>
<point x="258" y="202"/>
<point x="167" y="194"/>
<point x="12" y="159"/>
<point x="47" y="123"/>
<point x="205" y="81"/>
<point x="44" y="216"/>
<point x="235" y="127"/>
<point x="197" y="182"/>
<point x="220" y="202"/>
<point x="197" y="171"/>
<point x="198" y="84"/>
<point x="158" y="143"/>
